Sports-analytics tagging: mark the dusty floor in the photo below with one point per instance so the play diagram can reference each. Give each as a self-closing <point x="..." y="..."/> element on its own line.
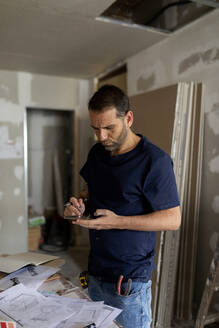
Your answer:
<point x="75" y="262"/>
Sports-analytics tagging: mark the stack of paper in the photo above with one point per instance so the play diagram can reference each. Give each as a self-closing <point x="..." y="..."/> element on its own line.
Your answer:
<point x="30" y="300"/>
<point x="30" y="309"/>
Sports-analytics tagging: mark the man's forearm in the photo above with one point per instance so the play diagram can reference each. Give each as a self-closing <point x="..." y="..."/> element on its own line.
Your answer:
<point x="169" y="219"/>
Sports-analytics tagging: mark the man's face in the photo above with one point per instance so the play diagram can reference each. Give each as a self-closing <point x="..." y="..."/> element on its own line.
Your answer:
<point x="110" y="130"/>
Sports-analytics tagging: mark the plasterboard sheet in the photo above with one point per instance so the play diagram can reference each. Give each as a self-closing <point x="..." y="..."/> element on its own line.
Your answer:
<point x="154" y="116"/>
<point x="182" y="139"/>
<point x="155" y="111"/>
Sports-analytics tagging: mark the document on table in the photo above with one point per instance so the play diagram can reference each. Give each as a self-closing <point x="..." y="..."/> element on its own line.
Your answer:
<point x="75" y="306"/>
<point x="30" y="309"/>
<point x="108" y="314"/>
<point x="52" y="287"/>
<point x="31" y="276"/>
<point x="76" y="293"/>
<point x="92" y="312"/>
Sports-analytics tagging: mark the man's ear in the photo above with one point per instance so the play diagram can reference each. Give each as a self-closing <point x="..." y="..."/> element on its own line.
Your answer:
<point x="129" y="118"/>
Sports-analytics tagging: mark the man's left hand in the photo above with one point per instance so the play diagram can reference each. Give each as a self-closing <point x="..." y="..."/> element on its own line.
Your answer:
<point x="105" y="220"/>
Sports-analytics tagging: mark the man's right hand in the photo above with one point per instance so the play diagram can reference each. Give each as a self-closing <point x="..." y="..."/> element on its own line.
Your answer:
<point x="75" y="207"/>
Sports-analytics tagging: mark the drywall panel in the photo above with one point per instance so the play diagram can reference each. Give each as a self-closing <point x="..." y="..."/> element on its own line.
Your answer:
<point x="13" y="226"/>
<point x="191" y="54"/>
<point x="155" y="111"/>
<point x="156" y="106"/>
<point x="17" y="91"/>
<point x="54" y="92"/>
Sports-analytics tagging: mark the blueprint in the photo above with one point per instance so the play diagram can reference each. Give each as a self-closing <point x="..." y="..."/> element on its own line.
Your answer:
<point x="31" y="276"/>
<point x="31" y="309"/>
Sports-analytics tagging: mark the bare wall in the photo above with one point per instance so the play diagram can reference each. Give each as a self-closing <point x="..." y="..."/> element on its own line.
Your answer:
<point x="191" y="54"/>
<point x="19" y="90"/>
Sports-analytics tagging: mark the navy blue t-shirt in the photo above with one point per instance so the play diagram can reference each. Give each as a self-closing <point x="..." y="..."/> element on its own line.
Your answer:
<point x="138" y="182"/>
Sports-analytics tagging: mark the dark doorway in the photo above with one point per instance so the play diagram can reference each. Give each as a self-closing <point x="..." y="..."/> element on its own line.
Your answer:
<point x="50" y="143"/>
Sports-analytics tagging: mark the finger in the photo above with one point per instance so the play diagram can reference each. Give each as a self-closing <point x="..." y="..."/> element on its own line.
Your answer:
<point x="100" y="212"/>
<point x="74" y="201"/>
<point x="67" y="211"/>
<point x="72" y="211"/>
<point x="76" y="206"/>
<point x="81" y="205"/>
<point x="91" y="224"/>
<point x="83" y="223"/>
<point x="81" y="202"/>
<point x="96" y="224"/>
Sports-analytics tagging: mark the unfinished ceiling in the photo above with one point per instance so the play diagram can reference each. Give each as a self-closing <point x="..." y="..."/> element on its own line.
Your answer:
<point x="69" y="38"/>
<point x="165" y="15"/>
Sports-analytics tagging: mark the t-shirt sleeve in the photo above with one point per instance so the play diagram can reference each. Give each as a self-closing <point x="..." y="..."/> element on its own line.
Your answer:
<point x="160" y="188"/>
<point x="84" y="172"/>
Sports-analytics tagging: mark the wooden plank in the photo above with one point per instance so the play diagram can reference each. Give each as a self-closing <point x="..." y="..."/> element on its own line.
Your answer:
<point x="208" y="290"/>
<point x="211" y="318"/>
<point x="181" y="266"/>
<point x="189" y="227"/>
<point x="193" y="210"/>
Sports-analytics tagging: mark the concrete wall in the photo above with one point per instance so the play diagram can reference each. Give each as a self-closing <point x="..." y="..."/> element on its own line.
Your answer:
<point x="17" y="91"/>
<point x="191" y="54"/>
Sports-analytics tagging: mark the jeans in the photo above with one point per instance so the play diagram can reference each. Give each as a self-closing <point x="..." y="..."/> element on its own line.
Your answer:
<point x="136" y="307"/>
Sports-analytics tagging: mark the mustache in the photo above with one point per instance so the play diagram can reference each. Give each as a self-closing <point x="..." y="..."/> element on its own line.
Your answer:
<point x="109" y="143"/>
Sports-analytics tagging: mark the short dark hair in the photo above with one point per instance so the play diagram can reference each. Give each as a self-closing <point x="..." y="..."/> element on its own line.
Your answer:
<point x="110" y="96"/>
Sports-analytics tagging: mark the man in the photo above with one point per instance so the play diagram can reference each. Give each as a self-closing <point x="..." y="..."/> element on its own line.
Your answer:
<point x="132" y="194"/>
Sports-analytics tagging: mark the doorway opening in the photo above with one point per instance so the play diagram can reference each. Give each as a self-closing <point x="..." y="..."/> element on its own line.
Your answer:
<point x="50" y="175"/>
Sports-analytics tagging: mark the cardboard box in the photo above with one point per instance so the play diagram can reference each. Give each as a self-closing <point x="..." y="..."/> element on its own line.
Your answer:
<point x="34" y="237"/>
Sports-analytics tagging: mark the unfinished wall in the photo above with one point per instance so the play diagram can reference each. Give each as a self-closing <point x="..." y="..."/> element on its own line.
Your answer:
<point x="17" y="91"/>
<point x="191" y="54"/>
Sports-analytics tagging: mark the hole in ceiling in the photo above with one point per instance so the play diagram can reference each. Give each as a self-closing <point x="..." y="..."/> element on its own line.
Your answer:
<point x="165" y="15"/>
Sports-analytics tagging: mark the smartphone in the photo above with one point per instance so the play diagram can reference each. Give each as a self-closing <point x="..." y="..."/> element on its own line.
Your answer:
<point x="74" y="218"/>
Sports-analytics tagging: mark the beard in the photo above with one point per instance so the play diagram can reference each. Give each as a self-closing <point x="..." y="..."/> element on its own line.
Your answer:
<point x="116" y="144"/>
